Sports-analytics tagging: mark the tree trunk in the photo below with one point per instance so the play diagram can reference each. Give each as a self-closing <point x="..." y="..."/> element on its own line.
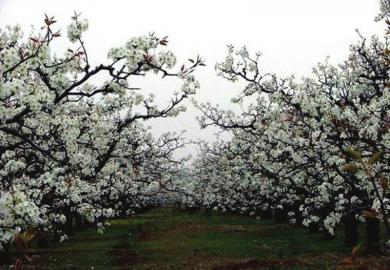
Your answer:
<point x="351" y="231"/>
<point x="42" y="241"/>
<point x="5" y="254"/>
<point x="208" y="213"/>
<point x="314" y="227"/>
<point x="68" y="226"/>
<point x="266" y="214"/>
<point x="372" y="235"/>
<point x="280" y="215"/>
<point x="79" y="222"/>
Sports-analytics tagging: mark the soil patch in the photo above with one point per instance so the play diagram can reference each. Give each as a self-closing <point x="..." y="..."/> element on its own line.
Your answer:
<point x="125" y="256"/>
<point x="184" y="228"/>
<point x="262" y="264"/>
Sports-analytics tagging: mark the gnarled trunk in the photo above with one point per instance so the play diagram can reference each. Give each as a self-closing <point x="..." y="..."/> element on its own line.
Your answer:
<point x="351" y="236"/>
<point x="372" y="235"/>
<point x="280" y="215"/>
<point x="5" y="254"/>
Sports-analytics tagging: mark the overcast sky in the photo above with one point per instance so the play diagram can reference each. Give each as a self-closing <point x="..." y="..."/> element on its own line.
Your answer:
<point x="292" y="35"/>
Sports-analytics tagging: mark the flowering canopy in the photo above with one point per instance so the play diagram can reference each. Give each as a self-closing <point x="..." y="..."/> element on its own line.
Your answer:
<point x="73" y="142"/>
<point x="315" y="149"/>
<point x="69" y="144"/>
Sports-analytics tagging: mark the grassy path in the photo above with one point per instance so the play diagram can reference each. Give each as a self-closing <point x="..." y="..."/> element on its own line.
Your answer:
<point x="168" y="239"/>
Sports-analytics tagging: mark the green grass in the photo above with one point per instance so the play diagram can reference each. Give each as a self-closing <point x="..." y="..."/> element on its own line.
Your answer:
<point x="170" y="239"/>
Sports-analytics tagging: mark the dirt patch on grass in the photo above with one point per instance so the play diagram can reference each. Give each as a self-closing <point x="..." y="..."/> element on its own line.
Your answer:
<point x="222" y="228"/>
<point x="126" y="257"/>
<point x="190" y="228"/>
<point x="196" y="261"/>
<point x="148" y="236"/>
<point x="211" y="228"/>
<point x="339" y="262"/>
<point x="262" y="264"/>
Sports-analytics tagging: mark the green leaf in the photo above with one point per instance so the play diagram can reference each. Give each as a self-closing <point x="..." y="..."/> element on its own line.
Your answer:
<point x="351" y="168"/>
<point x="354" y="153"/>
<point x="375" y="157"/>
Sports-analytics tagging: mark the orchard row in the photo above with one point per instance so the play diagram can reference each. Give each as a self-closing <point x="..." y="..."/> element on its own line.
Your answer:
<point x="74" y="144"/>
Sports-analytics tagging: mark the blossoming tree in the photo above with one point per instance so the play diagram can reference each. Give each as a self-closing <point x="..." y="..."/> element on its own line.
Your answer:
<point x="317" y="149"/>
<point x="72" y="139"/>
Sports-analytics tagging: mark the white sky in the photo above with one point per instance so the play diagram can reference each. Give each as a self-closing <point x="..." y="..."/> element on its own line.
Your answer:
<point x="292" y="35"/>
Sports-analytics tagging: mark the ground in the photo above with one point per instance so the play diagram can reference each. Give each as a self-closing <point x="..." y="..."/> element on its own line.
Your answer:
<point x="172" y="239"/>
